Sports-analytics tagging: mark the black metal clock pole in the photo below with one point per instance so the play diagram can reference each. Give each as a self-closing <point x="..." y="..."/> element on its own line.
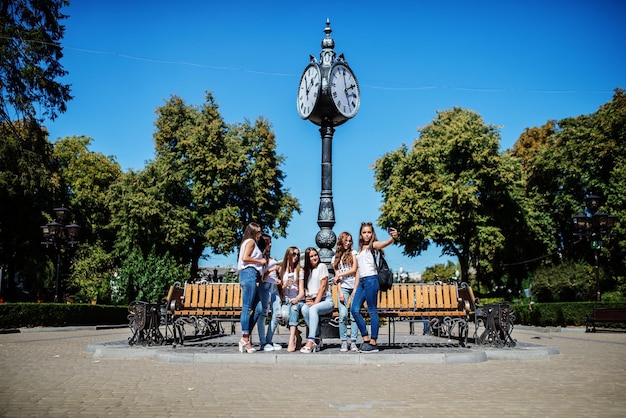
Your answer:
<point x="325" y="238"/>
<point x="328" y="95"/>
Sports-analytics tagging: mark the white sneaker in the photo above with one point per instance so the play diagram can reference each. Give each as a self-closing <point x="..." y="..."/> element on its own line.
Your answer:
<point x="344" y="346"/>
<point x="277" y="347"/>
<point x="268" y="347"/>
<point x="353" y="347"/>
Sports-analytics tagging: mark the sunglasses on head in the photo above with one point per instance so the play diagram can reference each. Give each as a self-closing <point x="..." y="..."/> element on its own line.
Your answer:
<point x="366" y="224"/>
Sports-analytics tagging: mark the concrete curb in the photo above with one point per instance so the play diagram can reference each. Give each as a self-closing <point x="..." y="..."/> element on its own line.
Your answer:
<point x="186" y="355"/>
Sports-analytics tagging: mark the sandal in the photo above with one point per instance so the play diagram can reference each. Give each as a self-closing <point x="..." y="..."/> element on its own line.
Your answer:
<point x="245" y="345"/>
<point x="308" y="350"/>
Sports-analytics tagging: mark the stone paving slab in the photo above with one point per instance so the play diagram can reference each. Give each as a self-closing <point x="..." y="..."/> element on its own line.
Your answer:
<point x="52" y="374"/>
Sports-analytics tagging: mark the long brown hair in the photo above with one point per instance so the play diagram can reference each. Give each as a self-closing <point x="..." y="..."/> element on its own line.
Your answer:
<point x="289" y="264"/>
<point x="372" y="241"/>
<point x="250" y="232"/>
<point x="341" y="254"/>
<point x="307" y="264"/>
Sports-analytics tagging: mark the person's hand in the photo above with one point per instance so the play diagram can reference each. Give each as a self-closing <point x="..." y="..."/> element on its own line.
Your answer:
<point x="393" y="232"/>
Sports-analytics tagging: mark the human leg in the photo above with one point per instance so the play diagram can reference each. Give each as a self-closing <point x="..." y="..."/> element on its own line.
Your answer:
<point x="260" y="313"/>
<point x="343" y="314"/>
<point x="370" y="291"/>
<point x="371" y="297"/>
<point x="247" y="281"/>
<point x="294" y="334"/>
<point x="323" y="307"/>
<point x="355" y="310"/>
<point x="354" y="329"/>
<point x="274" y="305"/>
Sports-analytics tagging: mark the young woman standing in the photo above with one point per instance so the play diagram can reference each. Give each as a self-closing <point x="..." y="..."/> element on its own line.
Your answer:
<point x="367" y="284"/>
<point x="318" y="297"/>
<point x="345" y="265"/>
<point x="268" y="299"/>
<point x="292" y="277"/>
<point x="250" y="265"/>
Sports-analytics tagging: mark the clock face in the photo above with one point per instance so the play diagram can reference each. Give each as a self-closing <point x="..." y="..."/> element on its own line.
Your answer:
<point x="344" y="90"/>
<point x="308" y="91"/>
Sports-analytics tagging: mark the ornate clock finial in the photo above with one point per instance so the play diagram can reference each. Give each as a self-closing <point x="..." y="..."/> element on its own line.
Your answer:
<point x="327" y="56"/>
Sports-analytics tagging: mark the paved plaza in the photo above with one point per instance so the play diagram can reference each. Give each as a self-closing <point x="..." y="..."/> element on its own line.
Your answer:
<point x="93" y="372"/>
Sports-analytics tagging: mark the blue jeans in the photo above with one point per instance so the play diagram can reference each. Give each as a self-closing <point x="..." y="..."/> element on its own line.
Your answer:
<point x="294" y="313"/>
<point x="312" y="314"/>
<point x="268" y="295"/>
<point x="367" y="291"/>
<point x="249" y="299"/>
<point x="343" y="318"/>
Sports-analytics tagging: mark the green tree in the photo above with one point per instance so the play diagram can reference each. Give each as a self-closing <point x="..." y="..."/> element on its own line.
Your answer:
<point x="84" y="179"/>
<point x="30" y="54"/>
<point x="455" y="189"/>
<point x="440" y="272"/>
<point x="25" y="193"/>
<point x="585" y="155"/>
<point x="146" y="278"/>
<point x="567" y="282"/>
<point x="91" y="275"/>
<point x="216" y="178"/>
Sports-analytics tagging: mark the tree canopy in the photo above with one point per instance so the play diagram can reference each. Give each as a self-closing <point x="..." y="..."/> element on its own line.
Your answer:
<point x="207" y="181"/>
<point x="452" y="188"/>
<point x="30" y="54"/>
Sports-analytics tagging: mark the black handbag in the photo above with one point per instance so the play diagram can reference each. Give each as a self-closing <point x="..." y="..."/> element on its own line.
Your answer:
<point x="385" y="276"/>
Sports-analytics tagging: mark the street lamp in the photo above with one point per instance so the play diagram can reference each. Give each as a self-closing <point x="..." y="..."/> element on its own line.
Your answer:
<point x="594" y="228"/>
<point x="58" y="235"/>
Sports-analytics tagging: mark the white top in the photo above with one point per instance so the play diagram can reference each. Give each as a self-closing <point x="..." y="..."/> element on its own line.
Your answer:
<point x="367" y="265"/>
<point x="313" y="284"/>
<point x="347" y="282"/>
<point x="256" y="253"/>
<point x="290" y="285"/>
<point x="272" y="276"/>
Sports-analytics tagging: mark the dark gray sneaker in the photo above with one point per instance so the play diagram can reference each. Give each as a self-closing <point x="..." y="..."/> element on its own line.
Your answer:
<point x="368" y="348"/>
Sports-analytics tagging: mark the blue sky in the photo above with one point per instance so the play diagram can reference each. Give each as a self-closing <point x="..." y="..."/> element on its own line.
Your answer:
<point x="517" y="64"/>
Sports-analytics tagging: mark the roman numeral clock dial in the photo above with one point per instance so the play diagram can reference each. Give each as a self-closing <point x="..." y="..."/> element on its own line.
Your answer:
<point x="344" y="90"/>
<point x="309" y="89"/>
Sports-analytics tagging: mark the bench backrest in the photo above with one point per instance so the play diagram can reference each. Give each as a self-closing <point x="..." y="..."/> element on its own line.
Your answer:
<point x="609" y="314"/>
<point x="422" y="297"/>
<point x="402" y="297"/>
<point x="200" y="296"/>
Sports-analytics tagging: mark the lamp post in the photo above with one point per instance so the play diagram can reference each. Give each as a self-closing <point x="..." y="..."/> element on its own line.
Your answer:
<point x="328" y="96"/>
<point x="59" y="235"/>
<point x="594" y="228"/>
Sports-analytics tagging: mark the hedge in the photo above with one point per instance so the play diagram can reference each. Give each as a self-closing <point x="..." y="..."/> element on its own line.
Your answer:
<point x="561" y="314"/>
<point x="25" y="315"/>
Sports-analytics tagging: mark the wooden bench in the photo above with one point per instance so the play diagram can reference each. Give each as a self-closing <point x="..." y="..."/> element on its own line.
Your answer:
<point x="204" y="306"/>
<point x="445" y="307"/>
<point x="604" y="315"/>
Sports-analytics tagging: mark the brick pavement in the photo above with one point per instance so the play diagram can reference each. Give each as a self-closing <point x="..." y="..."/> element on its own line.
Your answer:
<point x="51" y="374"/>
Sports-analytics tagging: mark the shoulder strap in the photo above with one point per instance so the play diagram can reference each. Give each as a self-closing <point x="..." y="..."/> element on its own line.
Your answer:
<point x="374" y="256"/>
